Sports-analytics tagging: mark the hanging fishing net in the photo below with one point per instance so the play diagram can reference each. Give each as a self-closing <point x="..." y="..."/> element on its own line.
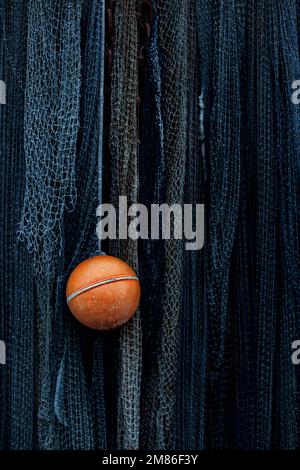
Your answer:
<point x="177" y="102"/>
<point x="52" y="61"/>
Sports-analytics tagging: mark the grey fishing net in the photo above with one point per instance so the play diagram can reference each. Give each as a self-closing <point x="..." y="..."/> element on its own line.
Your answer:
<point x="197" y="108"/>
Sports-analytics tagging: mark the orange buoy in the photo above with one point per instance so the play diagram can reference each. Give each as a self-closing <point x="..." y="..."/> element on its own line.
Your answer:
<point x="103" y="292"/>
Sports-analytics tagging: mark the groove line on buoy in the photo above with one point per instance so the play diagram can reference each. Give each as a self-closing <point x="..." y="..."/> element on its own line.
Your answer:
<point x="100" y="283"/>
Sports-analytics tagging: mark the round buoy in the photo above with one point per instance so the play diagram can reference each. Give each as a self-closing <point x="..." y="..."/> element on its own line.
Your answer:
<point x="103" y="292"/>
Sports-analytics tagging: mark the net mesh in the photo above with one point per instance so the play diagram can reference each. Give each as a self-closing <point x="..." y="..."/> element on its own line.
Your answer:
<point x="169" y="150"/>
<point x="54" y="391"/>
<point x="124" y="182"/>
<point x="17" y="424"/>
<point x="198" y="110"/>
<point x="51" y="124"/>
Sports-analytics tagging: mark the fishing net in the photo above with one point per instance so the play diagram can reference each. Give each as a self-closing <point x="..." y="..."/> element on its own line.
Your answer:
<point x="277" y="207"/>
<point x="17" y="329"/>
<point x="51" y="124"/>
<point x="53" y="392"/>
<point x="124" y="182"/>
<point x="253" y="330"/>
<point x="194" y="106"/>
<point x="169" y="147"/>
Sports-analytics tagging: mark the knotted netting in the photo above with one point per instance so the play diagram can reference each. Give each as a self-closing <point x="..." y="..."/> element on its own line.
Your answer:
<point x="198" y="109"/>
<point x="254" y="331"/>
<point x="169" y="56"/>
<point x="124" y="182"/>
<point x="51" y="124"/>
<point x="53" y="392"/>
<point x="17" y="303"/>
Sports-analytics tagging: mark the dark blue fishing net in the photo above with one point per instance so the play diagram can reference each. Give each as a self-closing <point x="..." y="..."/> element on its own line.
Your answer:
<point x="198" y="109"/>
<point x="52" y="392"/>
